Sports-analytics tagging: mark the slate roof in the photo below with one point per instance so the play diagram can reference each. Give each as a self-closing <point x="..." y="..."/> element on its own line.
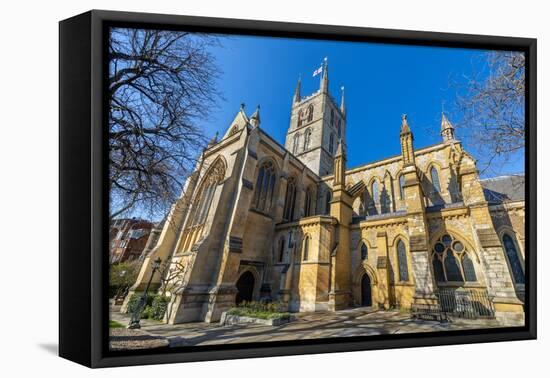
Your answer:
<point x="504" y="188"/>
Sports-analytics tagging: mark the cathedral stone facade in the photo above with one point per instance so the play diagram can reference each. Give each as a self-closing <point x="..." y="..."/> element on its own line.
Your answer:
<point x="261" y="221"/>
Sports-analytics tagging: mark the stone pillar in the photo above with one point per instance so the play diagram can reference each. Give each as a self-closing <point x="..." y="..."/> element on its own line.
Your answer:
<point x="509" y="309"/>
<point x="382" y="266"/>
<point x="418" y="239"/>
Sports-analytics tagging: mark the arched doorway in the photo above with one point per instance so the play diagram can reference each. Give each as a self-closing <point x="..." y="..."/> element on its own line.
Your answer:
<point x="245" y="287"/>
<point x="366" y="292"/>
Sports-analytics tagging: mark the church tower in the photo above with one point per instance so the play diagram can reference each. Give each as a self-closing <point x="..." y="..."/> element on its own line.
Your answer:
<point x="317" y="124"/>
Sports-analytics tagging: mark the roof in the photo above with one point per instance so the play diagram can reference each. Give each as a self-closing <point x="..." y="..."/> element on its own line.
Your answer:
<point x="504" y="188"/>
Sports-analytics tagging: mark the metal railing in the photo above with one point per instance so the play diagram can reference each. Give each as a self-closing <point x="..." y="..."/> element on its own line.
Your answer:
<point x="463" y="303"/>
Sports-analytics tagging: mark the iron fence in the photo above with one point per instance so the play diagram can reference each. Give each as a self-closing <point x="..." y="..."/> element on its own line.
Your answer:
<point x="462" y="303"/>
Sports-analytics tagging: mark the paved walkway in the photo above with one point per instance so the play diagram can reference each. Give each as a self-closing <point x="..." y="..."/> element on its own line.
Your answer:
<point x="353" y="322"/>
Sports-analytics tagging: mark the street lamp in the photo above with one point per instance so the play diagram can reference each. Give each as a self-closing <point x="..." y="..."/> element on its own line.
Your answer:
<point x="136" y="315"/>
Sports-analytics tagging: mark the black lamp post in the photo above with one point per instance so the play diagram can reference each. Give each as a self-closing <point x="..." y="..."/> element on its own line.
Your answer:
<point x="136" y="315"/>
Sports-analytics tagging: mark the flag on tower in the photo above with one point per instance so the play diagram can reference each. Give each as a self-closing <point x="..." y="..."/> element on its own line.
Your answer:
<point x="318" y="71"/>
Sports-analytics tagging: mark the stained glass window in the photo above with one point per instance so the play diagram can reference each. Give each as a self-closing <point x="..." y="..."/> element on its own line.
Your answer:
<point x="452" y="268"/>
<point x="513" y="259"/>
<point x="469" y="271"/>
<point x="438" y="270"/>
<point x="402" y="261"/>
<point x="265" y="185"/>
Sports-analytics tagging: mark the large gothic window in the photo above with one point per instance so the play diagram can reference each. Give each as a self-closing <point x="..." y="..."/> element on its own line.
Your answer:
<point x="513" y="259"/>
<point x="402" y="186"/>
<point x="307" y="139"/>
<point x="296" y="144"/>
<point x="265" y="186"/>
<point x="452" y="262"/>
<point x="206" y="193"/>
<point x="402" y="261"/>
<point x="364" y="251"/>
<point x="435" y="179"/>
<point x="290" y="200"/>
<point x="308" y="203"/>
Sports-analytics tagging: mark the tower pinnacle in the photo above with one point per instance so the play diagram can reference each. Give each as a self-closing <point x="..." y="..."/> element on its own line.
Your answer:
<point x="324" y="77"/>
<point x="447" y="129"/>
<point x="297" y="94"/>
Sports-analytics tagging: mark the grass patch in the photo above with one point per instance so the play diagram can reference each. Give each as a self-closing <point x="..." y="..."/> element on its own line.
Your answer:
<point x="259" y="310"/>
<point x="115" y="324"/>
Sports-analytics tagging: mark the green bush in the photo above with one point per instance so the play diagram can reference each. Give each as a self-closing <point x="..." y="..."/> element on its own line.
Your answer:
<point x="155" y="306"/>
<point x="273" y="310"/>
<point x="158" y="307"/>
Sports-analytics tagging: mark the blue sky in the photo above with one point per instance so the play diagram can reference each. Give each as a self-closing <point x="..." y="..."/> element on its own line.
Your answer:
<point x="381" y="82"/>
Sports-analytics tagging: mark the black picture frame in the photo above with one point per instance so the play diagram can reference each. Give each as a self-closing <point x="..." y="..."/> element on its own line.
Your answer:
<point x="83" y="198"/>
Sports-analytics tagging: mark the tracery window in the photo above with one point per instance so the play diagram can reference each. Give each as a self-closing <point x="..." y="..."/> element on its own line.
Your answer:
<point x="265" y="186"/>
<point x="435" y="179"/>
<point x="402" y="261"/>
<point x="364" y="251"/>
<point x="290" y="200"/>
<point x="307" y="139"/>
<point x="451" y="261"/>
<point x="206" y="193"/>
<point x="513" y="259"/>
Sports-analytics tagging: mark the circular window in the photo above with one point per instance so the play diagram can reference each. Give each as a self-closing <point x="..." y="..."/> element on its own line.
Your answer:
<point x="439" y="248"/>
<point x="458" y="246"/>
<point x="446" y="239"/>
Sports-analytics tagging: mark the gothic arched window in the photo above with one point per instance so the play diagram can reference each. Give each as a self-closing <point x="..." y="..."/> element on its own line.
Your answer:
<point x="307" y="139"/>
<point x="290" y="199"/>
<point x="305" y="252"/>
<point x="265" y="186"/>
<point x="451" y="261"/>
<point x="332" y="117"/>
<point x="282" y="249"/>
<point x="296" y="144"/>
<point x="206" y="193"/>
<point x="375" y="192"/>
<point x="402" y="261"/>
<point x="364" y="251"/>
<point x="331" y="143"/>
<point x="310" y="113"/>
<point x="513" y="259"/>
<point x="402" y="187"/>
<point x="435" y="179"/>
<point x="328" y="198"/>
<point x="308" y="203"/>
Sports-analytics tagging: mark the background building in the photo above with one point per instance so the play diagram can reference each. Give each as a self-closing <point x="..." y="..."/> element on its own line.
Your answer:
<point x="128" y="238"/>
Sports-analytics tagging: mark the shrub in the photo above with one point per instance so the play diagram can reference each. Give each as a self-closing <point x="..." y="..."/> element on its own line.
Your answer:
<point x="158" y="307"/>
<point x="155" y="306"/>
<point x="274" y="310"/>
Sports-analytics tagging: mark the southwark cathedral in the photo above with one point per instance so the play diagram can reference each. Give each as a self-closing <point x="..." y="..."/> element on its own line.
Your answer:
<point x="291" y="223"/>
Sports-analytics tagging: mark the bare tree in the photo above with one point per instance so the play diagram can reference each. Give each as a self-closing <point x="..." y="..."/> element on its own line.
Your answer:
<point x="160" y="84"/>
<point x="493" y="108"/>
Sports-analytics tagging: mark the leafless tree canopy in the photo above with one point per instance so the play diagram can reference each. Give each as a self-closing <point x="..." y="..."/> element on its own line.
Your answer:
<point x="494" y="107"/>
<point x="160" y="84"/>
